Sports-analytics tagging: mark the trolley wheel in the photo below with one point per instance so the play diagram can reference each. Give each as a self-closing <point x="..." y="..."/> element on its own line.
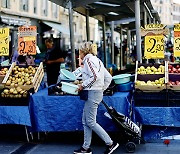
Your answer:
<point x="130" y="147"/>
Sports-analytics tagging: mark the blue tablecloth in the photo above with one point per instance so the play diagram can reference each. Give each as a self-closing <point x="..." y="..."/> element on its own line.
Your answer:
<point x="64" y="113"/>
<point x="158" y="116"/>
<point x="15" y="115"/>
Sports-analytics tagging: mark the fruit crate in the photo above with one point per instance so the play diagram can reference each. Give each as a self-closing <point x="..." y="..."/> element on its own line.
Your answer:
<point x="173" y="77"/>
<point x="15" y="101"/>
<point x="37" y="78"/>
<point x="150" y="77"/>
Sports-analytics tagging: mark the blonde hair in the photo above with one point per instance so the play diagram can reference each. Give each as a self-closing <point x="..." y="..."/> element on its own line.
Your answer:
<point x="88" y="48"/>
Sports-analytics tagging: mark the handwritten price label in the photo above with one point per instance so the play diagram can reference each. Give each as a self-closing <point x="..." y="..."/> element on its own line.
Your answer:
<point x="177" y="40"/>
<point x="4" y="41"/>
<point x="154" y="47"/>
<point x="27" y="40"/>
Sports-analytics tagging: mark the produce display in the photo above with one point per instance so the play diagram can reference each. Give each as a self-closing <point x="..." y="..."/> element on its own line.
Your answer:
<point x="159" y="82"/>
<point x="151" y="70"/>
<point x="172" y="83"/>
<point x="16" y="92"/>
<point x="21" y="76"/>
<point x="150" y="77"/>
<point x="174" y="68"/>
<point x="3" y="71"/>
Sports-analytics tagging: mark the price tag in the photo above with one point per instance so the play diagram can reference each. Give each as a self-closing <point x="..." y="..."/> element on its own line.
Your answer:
<point x="27" y="40"/>
<point x="4" y="41"/>
<point x="154" y="47"/>
<point x="177" y="40"/>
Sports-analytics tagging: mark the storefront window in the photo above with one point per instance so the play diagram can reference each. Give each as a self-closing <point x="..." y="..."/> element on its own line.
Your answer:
<point x="44" y="7"/>
<point x="5" y="4"/>
<point x="54" y="9"/>
<point x="35" y="6"/>
<point x="24" y="5"/>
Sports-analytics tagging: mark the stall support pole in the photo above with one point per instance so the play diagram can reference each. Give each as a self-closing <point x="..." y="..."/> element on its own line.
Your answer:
<point x="71" y="26"/>
<point x="121" y="49"/>
<point x="87" y="25"/>
<point x="145" y="23"/>
<point x="128" y="45"/>
<point x="112" y="41"/>
<point x="121" y="52"/>
<point x="138" y="34"/>
<point x="104" y="44"/>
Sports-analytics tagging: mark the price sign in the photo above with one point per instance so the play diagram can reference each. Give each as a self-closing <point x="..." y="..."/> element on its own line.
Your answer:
<point x="154" y="47"/>
<point x="27" y="40"/>
<point x="4" y="41"/>
<point x="177" y="40"/>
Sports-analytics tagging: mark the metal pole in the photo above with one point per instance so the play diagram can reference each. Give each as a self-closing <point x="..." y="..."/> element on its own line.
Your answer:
<point x="121" y="52"/>
<point x="104" y="44"/>
<point x="71" y="26"/>
<point x="138" y="34"/>
<point x="145" y="23"/>
<point x="112" y="41"/>
<point x="87" y="25"/>
<point x="145" y="17"/>
<point x="128" y="45"/>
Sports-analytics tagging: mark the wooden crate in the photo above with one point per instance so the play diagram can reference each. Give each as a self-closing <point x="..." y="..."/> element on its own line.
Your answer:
<point x="35" y="82"/>
<point x="173" y="77"/>
<point x="149" y="88"/>
<point x="151" y="77"/>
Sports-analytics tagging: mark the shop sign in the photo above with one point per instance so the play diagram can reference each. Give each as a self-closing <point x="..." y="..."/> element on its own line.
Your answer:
<point x="27" y="40"/>
<point x="177" y="40"/>
<point x="14" y="21"/>
<point x="154" y="40"/>
<point x="154" y="26"/>
<point x="154" y="47"/>
<point x="4" y="41"/>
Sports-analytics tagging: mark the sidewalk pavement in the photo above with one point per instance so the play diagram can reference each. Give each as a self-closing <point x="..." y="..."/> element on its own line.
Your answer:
<point x="66" y="143"/>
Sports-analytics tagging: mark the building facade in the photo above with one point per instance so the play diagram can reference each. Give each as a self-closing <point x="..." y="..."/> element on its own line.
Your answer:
<point x="169" y="11"/>
<point x="15" y="13"/>
<point x="176" y="12"/>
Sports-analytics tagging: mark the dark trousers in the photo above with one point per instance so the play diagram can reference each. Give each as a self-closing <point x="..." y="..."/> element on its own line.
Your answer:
<point x="52" y="77"/>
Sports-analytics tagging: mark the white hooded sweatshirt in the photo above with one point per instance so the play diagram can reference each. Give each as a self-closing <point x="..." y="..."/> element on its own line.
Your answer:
<point x="94" y="74"/>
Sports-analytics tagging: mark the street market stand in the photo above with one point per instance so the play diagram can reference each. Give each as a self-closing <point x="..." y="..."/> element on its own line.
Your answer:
<point x="64" y="113"/>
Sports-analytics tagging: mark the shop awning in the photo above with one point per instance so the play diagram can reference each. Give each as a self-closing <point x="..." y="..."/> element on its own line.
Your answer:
<point x="58" y="27"/>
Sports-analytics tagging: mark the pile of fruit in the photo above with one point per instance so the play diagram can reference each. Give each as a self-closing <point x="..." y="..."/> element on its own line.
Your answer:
<point x="21" y="76"/>
<point x="151" y="70"/>
<point x="159" y="82"/>
<point x="3" y="71"/>
<point x="174" y="69"/>
<point x="16" y="92"/>
<point x="171" y="83"/>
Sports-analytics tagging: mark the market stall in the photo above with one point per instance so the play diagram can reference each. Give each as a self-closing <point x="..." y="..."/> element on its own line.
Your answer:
<point x="63" y="113"/>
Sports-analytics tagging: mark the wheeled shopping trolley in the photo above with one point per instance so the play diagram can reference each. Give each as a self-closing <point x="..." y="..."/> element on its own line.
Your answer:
<point x="130" y="131"/>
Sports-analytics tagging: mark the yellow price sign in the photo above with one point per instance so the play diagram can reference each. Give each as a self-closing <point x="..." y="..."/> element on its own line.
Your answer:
<point x="177" y="27"/>
<point x="154" y="47"/>
<point x="4" y="41"/>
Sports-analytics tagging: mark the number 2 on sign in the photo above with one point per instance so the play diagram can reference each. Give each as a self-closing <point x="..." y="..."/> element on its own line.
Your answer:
<point x="154" y="47"/>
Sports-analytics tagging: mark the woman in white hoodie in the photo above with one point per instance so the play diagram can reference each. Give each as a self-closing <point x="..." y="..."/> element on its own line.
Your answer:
<point x="96" y="79"/>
